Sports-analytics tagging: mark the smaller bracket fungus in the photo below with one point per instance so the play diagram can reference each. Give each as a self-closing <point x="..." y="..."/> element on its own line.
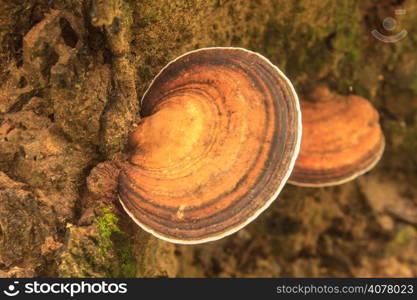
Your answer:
<point x="342" y="139"/>
<point x="220" y="133"/>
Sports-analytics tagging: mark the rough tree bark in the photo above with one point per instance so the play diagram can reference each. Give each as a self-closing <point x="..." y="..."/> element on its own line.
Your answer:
<point x="72" y="73"/>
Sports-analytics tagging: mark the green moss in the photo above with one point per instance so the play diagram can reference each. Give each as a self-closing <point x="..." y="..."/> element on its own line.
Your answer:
<point x="128" y="264"/>
<point x="307" y="43"/>
<point x="403" y="236"/>
<point x="113" y="242"/>
<point x="107" y="225"/>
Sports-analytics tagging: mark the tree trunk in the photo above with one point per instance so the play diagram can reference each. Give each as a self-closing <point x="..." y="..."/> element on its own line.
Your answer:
<point x="72" y="75"/>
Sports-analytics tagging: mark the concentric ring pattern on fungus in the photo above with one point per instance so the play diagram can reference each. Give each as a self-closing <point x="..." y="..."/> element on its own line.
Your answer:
<point x="342" y="139"/>
<point x="219" y="136"/>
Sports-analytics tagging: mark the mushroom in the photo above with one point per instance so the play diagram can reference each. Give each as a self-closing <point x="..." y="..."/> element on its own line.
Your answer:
<point x="219" y="136"/>
<point x="342" y="139"/>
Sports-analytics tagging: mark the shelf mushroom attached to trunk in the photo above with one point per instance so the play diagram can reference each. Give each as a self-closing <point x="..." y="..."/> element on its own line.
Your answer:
<point x="220" y="133"/>
<point x="342" y="139"/>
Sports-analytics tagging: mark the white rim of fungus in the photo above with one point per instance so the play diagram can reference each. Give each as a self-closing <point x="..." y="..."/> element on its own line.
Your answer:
<point x="279" y="188"/>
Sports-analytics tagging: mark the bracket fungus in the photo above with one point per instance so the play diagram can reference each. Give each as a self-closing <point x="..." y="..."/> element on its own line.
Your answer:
<point x="220" y="133"/>
<point x="342" y="139"/>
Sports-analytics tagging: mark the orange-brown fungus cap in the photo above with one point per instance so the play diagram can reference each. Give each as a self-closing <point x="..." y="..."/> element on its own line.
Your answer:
<point x="342" y="139"/>
<point x="220" y="133"/>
